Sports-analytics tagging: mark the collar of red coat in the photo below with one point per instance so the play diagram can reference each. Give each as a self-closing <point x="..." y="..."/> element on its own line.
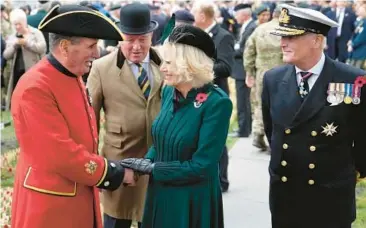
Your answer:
<point x="56" y="64"/>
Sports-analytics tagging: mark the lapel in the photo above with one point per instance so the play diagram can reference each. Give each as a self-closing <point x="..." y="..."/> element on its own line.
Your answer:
<point x="157" y="80"/>
<point x="289" y="94"/>
<point x="317" y="97"/>
<point x="214" y="31"/>
<point x="129" y="79"/>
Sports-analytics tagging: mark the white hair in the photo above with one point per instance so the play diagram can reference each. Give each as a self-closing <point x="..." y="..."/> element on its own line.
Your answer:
<point x="18" y="15"/>
<point x="192" y="64"/>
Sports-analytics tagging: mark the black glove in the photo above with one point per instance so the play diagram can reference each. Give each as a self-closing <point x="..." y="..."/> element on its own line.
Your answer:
<point x="140" y="165"/>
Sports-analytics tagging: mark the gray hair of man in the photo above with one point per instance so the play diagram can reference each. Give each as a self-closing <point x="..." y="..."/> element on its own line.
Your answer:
<point x="55" y="40"/>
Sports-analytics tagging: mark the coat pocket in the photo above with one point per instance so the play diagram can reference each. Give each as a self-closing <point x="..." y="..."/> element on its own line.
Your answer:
<point x="113" y="135"/>
<point x="49" y="183"/>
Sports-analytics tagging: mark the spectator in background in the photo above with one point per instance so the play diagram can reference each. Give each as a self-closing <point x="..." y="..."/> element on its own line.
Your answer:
<point x="111" y="45"/>
<point x="161" y="19"/>
<point x="338" y="38"/>
<point x="27" y="9"/>
<point x="183" y="17"/>
<point x="6" y="28"/>
<point x="34" y="20"/>
<point x="263" y="13"/>
<point x="26" y="46"/>
<point x="357" y="45"/>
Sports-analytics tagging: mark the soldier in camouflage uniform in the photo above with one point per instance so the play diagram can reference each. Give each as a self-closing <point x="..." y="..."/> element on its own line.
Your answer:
<point x="262" y="52"/>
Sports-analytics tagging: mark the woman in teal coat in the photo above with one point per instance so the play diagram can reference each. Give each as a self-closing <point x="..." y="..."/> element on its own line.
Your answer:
<point x="188" y="138"/>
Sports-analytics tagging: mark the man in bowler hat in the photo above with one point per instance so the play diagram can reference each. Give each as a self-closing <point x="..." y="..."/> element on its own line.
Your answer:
<point x="126" y="84"/>
<point x="59" y="167"/>
<point x="314" y="112"/>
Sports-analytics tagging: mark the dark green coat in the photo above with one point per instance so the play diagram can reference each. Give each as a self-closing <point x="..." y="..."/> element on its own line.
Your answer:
<point x="184" y="189"/>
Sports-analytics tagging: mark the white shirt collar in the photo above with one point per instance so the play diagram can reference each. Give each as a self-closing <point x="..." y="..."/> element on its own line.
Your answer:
<point x="317" y="69"/>
<point x="208" y="29"/>
<point x="146" y="59"/>
<point x="245" y="24"/>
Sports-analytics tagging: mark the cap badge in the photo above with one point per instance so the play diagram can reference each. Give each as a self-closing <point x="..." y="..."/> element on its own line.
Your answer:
<point x="284" y="17"/>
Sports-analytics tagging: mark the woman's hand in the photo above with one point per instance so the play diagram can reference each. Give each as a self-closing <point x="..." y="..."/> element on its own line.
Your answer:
<point x="140" y="165"/>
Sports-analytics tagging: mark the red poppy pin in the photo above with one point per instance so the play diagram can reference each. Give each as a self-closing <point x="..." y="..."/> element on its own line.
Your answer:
<point x="360" y="81"/>
<point x="200" y="99"/>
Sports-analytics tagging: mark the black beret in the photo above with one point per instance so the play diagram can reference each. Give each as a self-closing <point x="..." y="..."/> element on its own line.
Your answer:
<point x="43" y="2"/>
<point x="242" y="6"/>
<point x="80" y="21"/>
<point x="184" y="15"/>
<point x="193" y="36"/>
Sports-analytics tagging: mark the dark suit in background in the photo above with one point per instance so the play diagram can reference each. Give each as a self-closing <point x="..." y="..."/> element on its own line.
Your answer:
<point x="313" y="175"/>
<point x="157" y="34"/>
<point x="339" y="49"/>
<point x="242" y="91"/>
<point x="224" y="42"/>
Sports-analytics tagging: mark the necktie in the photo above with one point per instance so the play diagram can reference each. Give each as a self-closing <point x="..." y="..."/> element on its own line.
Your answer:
<point x="304" y="85"/>
<point x="143" y="81"/>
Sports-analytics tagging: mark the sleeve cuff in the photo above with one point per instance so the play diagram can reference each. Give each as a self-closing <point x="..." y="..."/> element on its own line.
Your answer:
<point x="112" y="176"/>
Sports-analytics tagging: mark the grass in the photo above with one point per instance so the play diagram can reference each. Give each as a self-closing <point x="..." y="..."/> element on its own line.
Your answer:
<point x="361" y="206"/>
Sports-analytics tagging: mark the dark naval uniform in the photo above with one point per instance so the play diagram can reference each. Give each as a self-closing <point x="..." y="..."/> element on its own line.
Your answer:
<point x="317" y="144"/>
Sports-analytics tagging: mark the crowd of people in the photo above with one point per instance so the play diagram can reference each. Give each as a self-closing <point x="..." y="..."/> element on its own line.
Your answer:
<point x="159" y="73"/>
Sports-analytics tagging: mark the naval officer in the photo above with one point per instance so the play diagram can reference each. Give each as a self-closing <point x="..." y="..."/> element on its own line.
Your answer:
<point x="314" y="112"/>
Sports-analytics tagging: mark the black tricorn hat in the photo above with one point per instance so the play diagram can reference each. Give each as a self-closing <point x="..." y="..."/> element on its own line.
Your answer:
<point x="135" y="19"/>
<point x="80" y="21"/>
<point x="193" y="36"/>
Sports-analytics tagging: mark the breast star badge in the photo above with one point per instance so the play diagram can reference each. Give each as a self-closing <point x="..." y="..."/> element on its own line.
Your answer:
<point x="91" y="167"/>
<point x="329" y="129"/>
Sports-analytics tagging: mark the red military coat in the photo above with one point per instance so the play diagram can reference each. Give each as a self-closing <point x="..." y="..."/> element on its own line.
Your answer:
<point x="58" y="164"/>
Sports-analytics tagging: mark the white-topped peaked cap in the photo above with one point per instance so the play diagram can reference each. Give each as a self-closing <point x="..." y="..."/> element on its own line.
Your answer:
<point x="295" y="21"/>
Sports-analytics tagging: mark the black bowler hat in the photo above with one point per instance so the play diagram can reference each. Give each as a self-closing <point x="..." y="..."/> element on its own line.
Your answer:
<point x="295" y="21"/>
<point x="80" y="21"/>
<point x="135" y="19"/>
<point x="193" y="36"/>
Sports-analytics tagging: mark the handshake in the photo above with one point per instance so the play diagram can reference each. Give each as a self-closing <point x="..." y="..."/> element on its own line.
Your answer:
<point x="134" y="167"/>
